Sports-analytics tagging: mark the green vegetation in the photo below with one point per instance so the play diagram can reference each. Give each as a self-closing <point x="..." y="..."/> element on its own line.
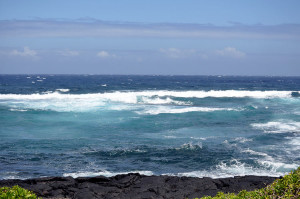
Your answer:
<point x="16" y="192"/>
<point x="288" y="187"/>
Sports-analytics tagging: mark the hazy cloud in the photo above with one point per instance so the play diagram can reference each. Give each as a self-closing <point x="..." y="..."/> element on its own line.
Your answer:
<point x="177" y="53"/>
<point x="96" y="28"/>
<point x="231" y="52"/>
<point x="69" y="53"/>
<point x="105" y="54"/>
<point x="27" y="52"/>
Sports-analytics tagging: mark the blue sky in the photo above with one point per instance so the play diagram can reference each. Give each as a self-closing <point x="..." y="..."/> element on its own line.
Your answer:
<point x="215" y="37"/>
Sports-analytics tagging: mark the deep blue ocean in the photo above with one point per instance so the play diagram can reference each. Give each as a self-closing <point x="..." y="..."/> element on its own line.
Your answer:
<point x="88" y="125"/>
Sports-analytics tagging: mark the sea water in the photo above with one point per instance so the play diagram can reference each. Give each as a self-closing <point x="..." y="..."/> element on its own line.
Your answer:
<point x="88" y="125"/>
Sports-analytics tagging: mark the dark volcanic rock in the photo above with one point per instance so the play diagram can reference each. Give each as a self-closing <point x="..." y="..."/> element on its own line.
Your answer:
<point x="134" y="185"/>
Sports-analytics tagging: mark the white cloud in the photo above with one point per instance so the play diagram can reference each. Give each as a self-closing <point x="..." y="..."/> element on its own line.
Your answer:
<point x="231" y="52"/>
<point x="105" y="54"/>
<point x="177" y="53"/>
<point x="69" y="53"/>
<point x="27" y="52"/>
<point x="73" y="28"/>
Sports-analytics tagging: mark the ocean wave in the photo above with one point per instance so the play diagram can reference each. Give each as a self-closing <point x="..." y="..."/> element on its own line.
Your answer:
<point x="237" y="168"/>
<point x="278" y="126"/>
<point x="60" y="100"/>
<point x="104" y="173"/>
<point x="256" y="153"/>
<point x="133" y="97"/>
<point x="19" y="110"/>
<point x="243" y="139"/>
<point x="190" y="146"/>
<point x="275" y="166"/>
<point x="176" y="110"/>
<point x="63" y="90"/>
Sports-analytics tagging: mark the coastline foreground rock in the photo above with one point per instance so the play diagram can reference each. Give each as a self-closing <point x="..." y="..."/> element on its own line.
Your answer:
<point x="134" y="185"/>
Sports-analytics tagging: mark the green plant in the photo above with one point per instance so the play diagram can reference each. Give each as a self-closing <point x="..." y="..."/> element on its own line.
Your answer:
<point x="287" y="187"/>
<point x="16" y="192"/>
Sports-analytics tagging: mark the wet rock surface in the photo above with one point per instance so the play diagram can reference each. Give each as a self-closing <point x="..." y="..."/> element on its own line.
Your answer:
<point x="134" y="185"/>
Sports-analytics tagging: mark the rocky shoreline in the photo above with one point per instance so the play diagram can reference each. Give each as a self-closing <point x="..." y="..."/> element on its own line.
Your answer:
<point x="134" y="185"/>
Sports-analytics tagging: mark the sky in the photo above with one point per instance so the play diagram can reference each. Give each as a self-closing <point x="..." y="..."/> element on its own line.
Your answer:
<point x="169" y="37"/>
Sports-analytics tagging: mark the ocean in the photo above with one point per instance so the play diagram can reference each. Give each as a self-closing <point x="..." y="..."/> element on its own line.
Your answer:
<point x="200" y="126"/>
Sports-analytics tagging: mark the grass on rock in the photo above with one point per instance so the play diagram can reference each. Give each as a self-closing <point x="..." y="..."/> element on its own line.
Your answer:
<point x="287" y="187"/>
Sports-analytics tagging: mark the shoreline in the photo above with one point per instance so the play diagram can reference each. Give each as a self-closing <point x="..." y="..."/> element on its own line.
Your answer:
<point x="135" y="185"/>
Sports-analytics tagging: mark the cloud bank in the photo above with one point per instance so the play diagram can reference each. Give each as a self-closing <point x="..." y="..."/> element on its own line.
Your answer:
<point x="96" y="28"/>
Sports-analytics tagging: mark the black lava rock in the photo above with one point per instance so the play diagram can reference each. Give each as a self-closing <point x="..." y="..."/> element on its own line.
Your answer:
<point x="134" y="185"/>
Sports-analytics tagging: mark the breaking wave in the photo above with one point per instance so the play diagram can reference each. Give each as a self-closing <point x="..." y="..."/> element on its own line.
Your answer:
<point x="169" y="110"/>
<point x="104" y="173"/>
<point x="133" y="97"/>
<point x="278" y="126"/>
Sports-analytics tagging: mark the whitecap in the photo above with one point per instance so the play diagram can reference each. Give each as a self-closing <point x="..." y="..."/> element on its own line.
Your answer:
<point x="134" y="97"/>
<point x="176" y="110"/>
<point x="170" y="136"/>
<point x="256" y="153"/>
<point x="282" y="126"/>
<point x="274" y="166"/>
<point x="157" y="100"/>
<point x="20" y="110"/>
<point x="242" y="139"/>
<point x="63" y="90"/>
<point x="62" y="101"/>
<point x="200" y="138"/>
<point x="190" y="146"/>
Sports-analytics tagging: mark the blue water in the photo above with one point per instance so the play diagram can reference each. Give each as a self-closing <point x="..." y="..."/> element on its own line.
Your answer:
<point x="87" y="125"/>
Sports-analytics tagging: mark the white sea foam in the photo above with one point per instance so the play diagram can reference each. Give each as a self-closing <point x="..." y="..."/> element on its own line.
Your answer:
<point x="237" y="168"/>
<point x="201" y="138"/>
<point x="242" y="139"/>
<point x="234" y="168"/>
<point x="11" y="175"/>
<point x="164" y="109"/>
<point x="132" y="97"/>
<point x="294" y="142"/>
<point x="170" y="136"/>
<point x="62" y="101"/>
<point x="190" y="146"/>
<point x="157" y="100"/>
<point x="274" y="166"/>
<point x="20" y="110"/>
<point x="278" y="126"/>
<point x="104" y="173"/>
<point x="256" y="153"/>
<point x="63" y="90"/>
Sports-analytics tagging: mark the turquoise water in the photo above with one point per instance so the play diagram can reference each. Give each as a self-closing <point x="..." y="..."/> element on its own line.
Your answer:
<point x="87" y="125"/>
